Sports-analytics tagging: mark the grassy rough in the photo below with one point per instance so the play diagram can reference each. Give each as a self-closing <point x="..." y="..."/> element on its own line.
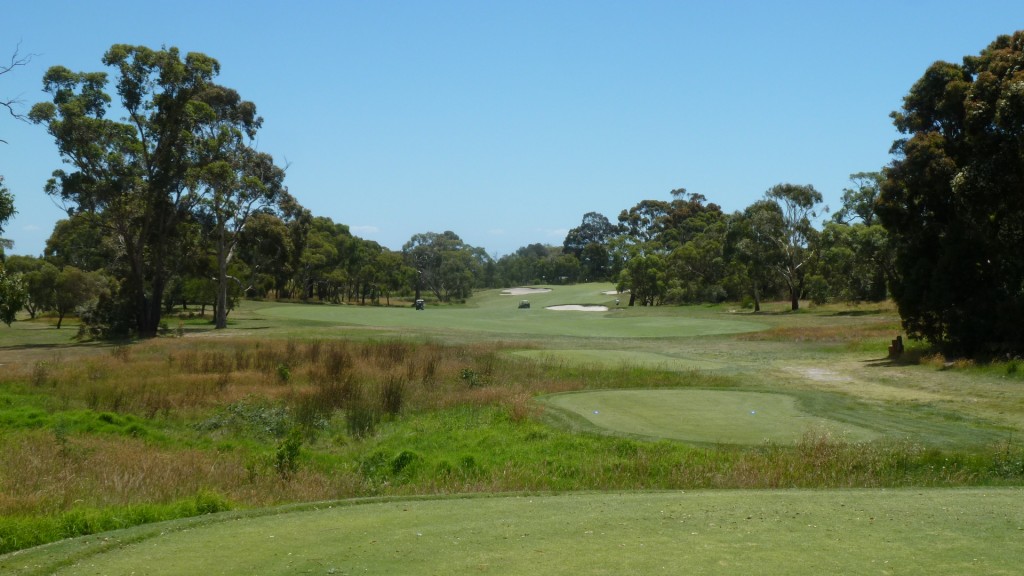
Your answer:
<point x="282" y="410"/>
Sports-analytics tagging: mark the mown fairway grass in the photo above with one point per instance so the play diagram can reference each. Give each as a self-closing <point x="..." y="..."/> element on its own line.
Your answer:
<point x="317" y="403"/>
<point x="705" y="416"/>
<point x="496" y="313"/>
<point x="964" y="531"/>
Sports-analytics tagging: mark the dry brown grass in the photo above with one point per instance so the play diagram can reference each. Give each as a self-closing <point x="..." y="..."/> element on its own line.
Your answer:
<point x="44" y="474"/>
<point x="47" y="472"/>
<point x="832" y="333"/>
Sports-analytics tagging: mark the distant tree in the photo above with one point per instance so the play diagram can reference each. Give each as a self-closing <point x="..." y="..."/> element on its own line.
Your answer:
<point x="39" y="279"/>
<point x="444" y="264"/>
<point x="12" y="295"/>
<point x="858" y="203"/>
<point x="234" y="183"/>
<point x="136" y="172"/>
<point x="265" y="247"/>
<point x="392" y="273"/>
<point x="645" y="223"/>
<point x="856" y="259"/>
<point x="952" y="201"/>
<point x="689" y="215"/>
<point x="81" y="242"/>
<point x="588" y="242"/>
<point x="644" y="278"/>
<point x="75" y="288"/>
<point x="699" y="270"/>
<point x="798" y="205"/>
<point x="753" y="240"/>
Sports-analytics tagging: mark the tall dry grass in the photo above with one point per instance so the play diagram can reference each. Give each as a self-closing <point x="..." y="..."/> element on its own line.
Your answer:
<point x="166" y="420"/>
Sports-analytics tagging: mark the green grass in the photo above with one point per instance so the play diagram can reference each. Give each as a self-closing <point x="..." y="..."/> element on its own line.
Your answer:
<point x="703" y="416"/>
<point x="619" y="359"/>
<point x="965" y="531"/>
<point x="492" y="312"/>
<point x="99" y="436"/>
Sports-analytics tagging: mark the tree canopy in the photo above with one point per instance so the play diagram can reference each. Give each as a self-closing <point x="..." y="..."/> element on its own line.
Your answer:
<point x="138" y="173"/>
<point x="953" y="201"/>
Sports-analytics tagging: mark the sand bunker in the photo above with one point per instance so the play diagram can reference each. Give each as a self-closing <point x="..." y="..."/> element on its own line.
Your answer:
<point x="521" y="291"/>
<point x="578" y="308"/>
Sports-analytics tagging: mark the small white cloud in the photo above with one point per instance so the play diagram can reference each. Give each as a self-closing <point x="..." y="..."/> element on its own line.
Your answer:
<point x="497" y="232"/>
<point x="359" y="230"/>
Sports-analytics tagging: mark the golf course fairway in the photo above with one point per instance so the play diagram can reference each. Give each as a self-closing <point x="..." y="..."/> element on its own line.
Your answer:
<point x="705" y="416"/>
<point x="962" y="531"/>
<point x="495" y="312"/>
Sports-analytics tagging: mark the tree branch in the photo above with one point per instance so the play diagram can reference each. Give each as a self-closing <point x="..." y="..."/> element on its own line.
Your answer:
<point x="11" y="104"/>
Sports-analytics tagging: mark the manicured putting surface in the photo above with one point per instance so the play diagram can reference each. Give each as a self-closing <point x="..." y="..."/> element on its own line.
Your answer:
<point x="705" y="416"/>
<point x="713" y="532"/>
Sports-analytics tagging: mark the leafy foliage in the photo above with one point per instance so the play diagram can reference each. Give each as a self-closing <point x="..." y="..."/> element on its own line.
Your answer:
<point x="13" y="295"/>
<point x="953" y="205"/>
<point x="134" y="174"/>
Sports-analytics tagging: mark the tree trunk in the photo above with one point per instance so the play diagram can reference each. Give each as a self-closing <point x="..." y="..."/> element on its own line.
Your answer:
<point x="149" y="319"/>
<point x="757" y="299"/>
<point x="220" y="308"/>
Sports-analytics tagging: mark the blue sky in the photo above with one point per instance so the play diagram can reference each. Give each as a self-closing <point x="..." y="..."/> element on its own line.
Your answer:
<point x="506" y="121"/>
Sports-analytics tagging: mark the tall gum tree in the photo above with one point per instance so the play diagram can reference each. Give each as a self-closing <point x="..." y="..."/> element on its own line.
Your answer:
<point x="798" y="206"/>
<point x="233" y="188"/>
<point x="135" y="171"/>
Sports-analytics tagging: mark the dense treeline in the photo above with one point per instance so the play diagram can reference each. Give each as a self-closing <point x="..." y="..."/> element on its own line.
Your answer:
<point x="171" y="208"/>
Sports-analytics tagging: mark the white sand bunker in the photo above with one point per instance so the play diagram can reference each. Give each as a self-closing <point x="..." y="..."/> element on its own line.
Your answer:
<point x="578" y="308"/>
<point x="521" y="291"/>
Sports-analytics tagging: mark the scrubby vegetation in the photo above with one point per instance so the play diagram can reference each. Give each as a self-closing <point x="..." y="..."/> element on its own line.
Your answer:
<point x="177" y="427"/>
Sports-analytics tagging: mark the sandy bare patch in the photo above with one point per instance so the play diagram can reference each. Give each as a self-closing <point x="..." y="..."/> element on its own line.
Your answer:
<point x="824" y="375"/>
<point x="610" y="292"/>
<point x="521" y="291"/>
<point x="578" y="308"/>
<point x="845" y="381"/>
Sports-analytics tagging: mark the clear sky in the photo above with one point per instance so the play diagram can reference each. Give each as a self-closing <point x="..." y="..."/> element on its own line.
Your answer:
<point x="506" y="121"/>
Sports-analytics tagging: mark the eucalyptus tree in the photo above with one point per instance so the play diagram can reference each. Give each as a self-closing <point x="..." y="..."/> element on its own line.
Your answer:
<point x="81" y="241"/>
<point x="752" y="243"/>
<point x="39" y="279"/>
<point x="13" y="295"/>
<point x="798" y="206"/>
<point x="265" y="247"/>
<point x="856" y="257"/>
<point x="589" y="243"/>
<point x="444" y="264"/>
<point x="233" y="183"/>
<point x="137" y="170"/>
<point x="74" y="288"/>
